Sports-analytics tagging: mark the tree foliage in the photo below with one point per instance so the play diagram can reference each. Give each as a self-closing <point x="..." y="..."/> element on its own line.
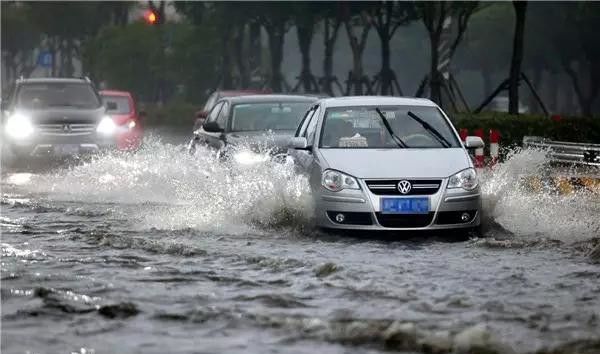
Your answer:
<point x="575" y="39"/>
<point x="19" y="40"/>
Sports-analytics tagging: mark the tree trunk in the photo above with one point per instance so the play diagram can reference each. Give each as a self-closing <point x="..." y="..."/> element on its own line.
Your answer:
<point x="357" y="72"/>
<point x="226" y="67"/>
<point x="69" y="69"/>
<point x="255" y="48"/>
<point x="517" y="57"/>
<point x="52" y="50"/>
<point x="305" y="35"/>
<point x="357" y="50"/>
<point x="241" y="59"/>
<point x="276" y="52"/>
<point x="553" y="92"/>
<point x="329" y="41"/>
<point x="534" y="106"/>
<point x="435" y="83"/>
<point x="385" y="76"/>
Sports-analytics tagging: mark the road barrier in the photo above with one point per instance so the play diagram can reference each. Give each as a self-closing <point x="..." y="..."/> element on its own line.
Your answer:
<point x="480" y="160"/>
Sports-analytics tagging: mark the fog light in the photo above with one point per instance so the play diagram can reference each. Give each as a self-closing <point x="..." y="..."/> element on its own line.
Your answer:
<point x="340" y="218"/>
<point x="465" y="217"/>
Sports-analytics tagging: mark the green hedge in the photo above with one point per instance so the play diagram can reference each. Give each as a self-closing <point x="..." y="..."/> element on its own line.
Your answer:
<point x="512" y="128"/>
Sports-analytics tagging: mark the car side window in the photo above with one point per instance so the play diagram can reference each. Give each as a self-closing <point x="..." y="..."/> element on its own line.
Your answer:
<point x="302" y="127"/>
<point x="311" y="129"/>
<point x="214" y="113"/>
<point x="223" y="114"/>
<point x="210" y="102"/>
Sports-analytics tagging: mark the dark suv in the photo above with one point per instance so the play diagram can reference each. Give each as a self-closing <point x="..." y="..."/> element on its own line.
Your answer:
<point x="56" y="117"/>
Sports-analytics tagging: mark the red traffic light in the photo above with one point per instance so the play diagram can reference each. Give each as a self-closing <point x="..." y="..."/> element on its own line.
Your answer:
<point x="150" y="17"/>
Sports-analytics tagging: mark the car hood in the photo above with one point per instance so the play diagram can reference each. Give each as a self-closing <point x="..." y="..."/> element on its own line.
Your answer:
<point x="261" y="140"/>
<point x="65" y="115"/>
<point x="394" y="163"/>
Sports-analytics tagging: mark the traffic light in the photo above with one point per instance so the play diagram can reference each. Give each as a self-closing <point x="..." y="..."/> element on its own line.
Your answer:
<point x="151" y="17"/>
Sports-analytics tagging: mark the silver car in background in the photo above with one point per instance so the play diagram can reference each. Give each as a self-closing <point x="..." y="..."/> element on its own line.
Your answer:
<point x="387" y="163"/>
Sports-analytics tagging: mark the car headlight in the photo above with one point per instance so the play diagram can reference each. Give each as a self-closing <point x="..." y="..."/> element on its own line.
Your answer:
<point x="18" y="126"/>
<point x="465" y="179"/>
<point x="249" y="158"/>
<point x="106" y="126"/>
<point x="336" y="181"/>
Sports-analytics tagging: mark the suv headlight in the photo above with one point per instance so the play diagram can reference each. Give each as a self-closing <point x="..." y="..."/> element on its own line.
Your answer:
<point x="106" y="126"/>
<point x="336" y="181"/>
<point x="19" y="126"/>
<point x="465" y="179"/>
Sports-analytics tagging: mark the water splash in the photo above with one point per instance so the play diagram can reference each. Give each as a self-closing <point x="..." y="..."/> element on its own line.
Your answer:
<point x="173" y="190"/>
<point x="532" y="214"/>
<point x="166" y="188"/>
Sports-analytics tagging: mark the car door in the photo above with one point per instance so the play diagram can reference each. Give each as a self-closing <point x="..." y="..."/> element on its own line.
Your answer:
<point x="204" y="137"/>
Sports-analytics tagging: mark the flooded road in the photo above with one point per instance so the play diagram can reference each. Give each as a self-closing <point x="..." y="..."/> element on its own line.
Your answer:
<point x="160" y="252"/>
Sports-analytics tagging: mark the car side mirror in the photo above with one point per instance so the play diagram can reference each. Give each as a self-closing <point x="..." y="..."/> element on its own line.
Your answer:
<point x="212" y="127"/>
<point x="299" y="143"/>
<point x="473" y="142"/>
<point x="142" y="115"/>
<point x="201" y="114"/>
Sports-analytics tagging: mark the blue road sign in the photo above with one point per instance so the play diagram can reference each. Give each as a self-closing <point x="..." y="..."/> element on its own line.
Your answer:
<point x="45" y="59"/>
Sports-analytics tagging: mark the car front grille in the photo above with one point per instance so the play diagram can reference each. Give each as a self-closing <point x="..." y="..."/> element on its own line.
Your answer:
<point x="404" y="220"/>
<point x="390" y="186"/>
<point x="66" y="129"/>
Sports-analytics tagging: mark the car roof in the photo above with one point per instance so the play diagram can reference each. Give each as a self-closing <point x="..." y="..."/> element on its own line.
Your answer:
<point x="43" y="80"/>
<point x="271" y="98"/>
<point x="375" y="101"/>
<point x="115" y="93"/>
<point x="234" y="93"/>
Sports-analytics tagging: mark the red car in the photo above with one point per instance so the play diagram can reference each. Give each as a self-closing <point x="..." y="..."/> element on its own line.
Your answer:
<point x="122" y="109"/>
<point x="200" y="115"/>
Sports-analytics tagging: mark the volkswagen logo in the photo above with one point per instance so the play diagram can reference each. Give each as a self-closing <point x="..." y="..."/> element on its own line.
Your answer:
<point x="66" y="128"/>
<point x="404" y="187"/>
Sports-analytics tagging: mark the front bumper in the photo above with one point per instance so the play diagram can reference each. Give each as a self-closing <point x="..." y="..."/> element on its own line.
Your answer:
<point x="47" y="145"/>
<point x="361" y="210"/>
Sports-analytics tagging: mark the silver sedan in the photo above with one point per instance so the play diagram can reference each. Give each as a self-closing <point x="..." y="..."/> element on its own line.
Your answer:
<point x="387" y="163"/>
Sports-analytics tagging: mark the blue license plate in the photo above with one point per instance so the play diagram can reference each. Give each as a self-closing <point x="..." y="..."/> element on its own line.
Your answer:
<point x="404" y="205"/>
<point x="66" y="149"/>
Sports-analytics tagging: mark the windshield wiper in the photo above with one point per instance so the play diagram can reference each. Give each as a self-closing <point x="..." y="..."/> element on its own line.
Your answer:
<point x="397" y="140"/>
<point x="445" y="143"/>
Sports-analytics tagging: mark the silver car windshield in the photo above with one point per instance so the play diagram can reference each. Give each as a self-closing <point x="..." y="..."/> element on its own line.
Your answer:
<point x="267" y="116"/>
<point x="363" y="128"/>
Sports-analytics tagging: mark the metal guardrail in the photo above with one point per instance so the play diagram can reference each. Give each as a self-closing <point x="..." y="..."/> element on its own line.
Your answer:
<point x="566" y="152"/>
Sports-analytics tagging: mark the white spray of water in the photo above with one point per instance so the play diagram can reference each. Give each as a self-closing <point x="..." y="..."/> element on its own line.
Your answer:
<point x="166" y="188"/>
<point x="172" y="190"/>
<point x="566" y="217"/>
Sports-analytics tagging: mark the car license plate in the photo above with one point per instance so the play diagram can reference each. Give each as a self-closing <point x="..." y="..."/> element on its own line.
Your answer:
<point x="404" y="205"/>
<point x="66" y="149"/>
